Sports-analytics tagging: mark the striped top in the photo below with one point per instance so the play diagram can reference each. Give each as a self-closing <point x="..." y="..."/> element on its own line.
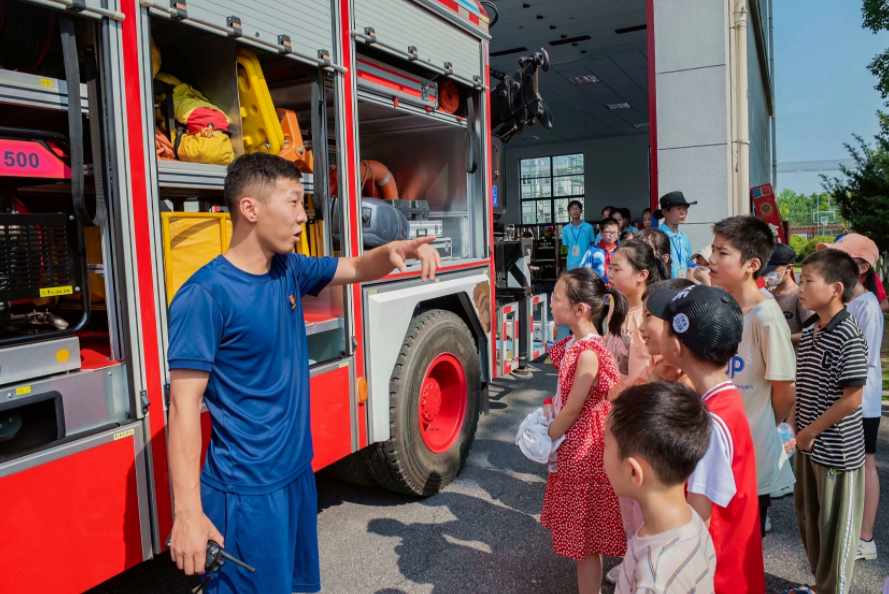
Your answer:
<point x="830" y="360"/>
<point x="677" y="561"/>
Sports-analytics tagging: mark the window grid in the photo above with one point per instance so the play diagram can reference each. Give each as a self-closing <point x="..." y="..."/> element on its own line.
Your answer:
<point x="548" y="184"/>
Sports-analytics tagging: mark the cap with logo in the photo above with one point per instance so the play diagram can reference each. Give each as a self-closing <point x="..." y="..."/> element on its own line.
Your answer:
<point x="857" y="246"/>
<point x="782" y="255"/>
<point x="668" y="201"/>
<point x="703" y="317"/>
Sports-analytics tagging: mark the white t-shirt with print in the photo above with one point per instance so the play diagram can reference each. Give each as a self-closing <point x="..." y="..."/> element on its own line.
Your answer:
<point x="678" y="560"/>
<point x="765" y="355"/>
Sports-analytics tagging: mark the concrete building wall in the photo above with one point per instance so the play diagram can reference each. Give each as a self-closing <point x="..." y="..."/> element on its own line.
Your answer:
<point x="692" y="115"/>
<point x="615" y="172"/>
<point x="760" y="132"/>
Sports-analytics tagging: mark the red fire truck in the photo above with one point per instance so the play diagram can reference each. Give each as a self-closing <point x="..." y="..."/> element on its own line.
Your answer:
<point x="118" y="118"/>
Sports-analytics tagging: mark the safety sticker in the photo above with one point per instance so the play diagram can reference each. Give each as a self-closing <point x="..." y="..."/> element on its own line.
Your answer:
<point x="122" y="434"/>
<point x="56" y="291"/>
<point x="46" y="82"/>
<point x="23" y="390"/>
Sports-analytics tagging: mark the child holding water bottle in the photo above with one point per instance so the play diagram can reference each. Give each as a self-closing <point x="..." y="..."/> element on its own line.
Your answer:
<point x="580" y="507"/>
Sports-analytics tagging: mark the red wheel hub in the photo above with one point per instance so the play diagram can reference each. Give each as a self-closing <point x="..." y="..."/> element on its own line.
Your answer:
<point x="442" y="407"/>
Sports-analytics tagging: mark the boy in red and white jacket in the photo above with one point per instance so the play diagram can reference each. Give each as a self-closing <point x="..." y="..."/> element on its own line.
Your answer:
<point x="703" y="328"/>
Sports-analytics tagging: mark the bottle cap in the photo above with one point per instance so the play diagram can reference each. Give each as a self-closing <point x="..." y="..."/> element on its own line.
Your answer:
<point x="547" y="400"/>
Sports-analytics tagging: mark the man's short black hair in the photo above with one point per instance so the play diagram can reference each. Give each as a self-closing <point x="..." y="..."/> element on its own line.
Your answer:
<point x="674" y="284"/>
<point x="664" y="423"/>
<point x="576" y="203"/>
<point x="607" y="222"/>
<point x="749" y="235"/>
<point x="255" y="173"/>
<point x="836" y="266"/>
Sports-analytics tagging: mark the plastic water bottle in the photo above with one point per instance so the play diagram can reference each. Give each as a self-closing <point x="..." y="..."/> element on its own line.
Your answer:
<point x="548" y="411"/>
<point x="786" y="433"/>
<point x="550" y="414"/>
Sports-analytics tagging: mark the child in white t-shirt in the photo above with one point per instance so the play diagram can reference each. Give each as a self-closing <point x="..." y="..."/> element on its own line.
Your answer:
<point x="655" y="436"/>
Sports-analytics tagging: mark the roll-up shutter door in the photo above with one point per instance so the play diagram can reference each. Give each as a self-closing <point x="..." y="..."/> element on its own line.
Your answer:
<point x="402" y="24"/>
<point x="303" y="27"/>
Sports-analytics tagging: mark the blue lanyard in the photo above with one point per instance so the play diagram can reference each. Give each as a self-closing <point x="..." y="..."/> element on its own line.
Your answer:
<point x="676" y="241"/>
<point x="576" y="235"/>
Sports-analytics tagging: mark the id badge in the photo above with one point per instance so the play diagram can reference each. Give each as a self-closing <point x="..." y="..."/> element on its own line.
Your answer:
<point x="575" y="251"/>
<point x="682" y="273"/>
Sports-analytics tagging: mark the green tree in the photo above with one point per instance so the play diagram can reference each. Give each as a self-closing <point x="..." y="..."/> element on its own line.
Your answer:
<point x="863" y="196"/>
<point x="876" y="18"/>
<point x="797" y="209"/>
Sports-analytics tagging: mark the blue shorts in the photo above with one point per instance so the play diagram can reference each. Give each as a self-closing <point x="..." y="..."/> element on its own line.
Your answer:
<point x="276" y="533"/>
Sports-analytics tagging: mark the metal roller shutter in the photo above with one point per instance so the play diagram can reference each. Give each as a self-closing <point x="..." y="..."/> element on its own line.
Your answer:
<point x="307" y="24"/>
<point x="402" y="24"/>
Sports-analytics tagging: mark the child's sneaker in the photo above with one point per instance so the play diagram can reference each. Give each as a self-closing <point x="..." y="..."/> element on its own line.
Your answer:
<point x="768" y="523"/>
<point x="867" y="550"/>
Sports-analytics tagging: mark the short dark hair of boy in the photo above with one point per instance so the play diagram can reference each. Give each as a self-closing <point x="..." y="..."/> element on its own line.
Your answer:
<point x="609" y="222"/>
<point x="255" y="174"/>
<point x="749" y="235"/>
<point x="626" y="236"/>
<point x="674" y="284"/>
<point x="576" y="203"/>
<point x="835" y="266"/>
<point x="664" y="423"/>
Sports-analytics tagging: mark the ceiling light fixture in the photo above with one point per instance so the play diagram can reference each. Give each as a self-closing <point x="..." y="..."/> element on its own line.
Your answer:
<point x="631" y="29"/>
<point x="618" y="106"/>
<point x="584" y="80"/>
<point x="570" y="40"/>
<point x="642" y="125"/>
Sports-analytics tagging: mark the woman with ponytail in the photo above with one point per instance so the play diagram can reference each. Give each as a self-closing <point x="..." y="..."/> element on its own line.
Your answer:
<point x="634" y="266"/>
<point x="580" y="507"/>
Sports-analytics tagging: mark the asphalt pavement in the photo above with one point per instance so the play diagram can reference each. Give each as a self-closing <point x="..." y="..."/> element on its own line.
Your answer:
<point x="481" y="534"/>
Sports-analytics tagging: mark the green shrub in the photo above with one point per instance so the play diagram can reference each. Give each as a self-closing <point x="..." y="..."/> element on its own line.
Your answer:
<point x="799" y="245"/>
<point x="812" y="245"/>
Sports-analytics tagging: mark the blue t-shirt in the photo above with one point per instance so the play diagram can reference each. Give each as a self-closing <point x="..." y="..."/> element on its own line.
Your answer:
<point x="248" y="331"/>
<point x="580" y="237"/>
<point x="680" y="250"/>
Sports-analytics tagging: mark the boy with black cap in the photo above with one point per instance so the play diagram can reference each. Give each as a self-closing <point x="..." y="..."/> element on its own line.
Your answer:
<point x="703" y="328"/>
<point x="779" y="280"/>
<point x="673" y="211"/>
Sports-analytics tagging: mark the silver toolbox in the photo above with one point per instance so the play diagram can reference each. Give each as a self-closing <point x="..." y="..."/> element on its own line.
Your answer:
<point x="425" y="228"/>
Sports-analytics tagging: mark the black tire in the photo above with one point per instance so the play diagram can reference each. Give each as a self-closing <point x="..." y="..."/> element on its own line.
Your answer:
<point x="351" y="470"/>
<point x="405" y="463"/>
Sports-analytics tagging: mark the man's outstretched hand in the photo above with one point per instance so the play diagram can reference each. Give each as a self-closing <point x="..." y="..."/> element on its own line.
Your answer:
<point x="419" y="249"/>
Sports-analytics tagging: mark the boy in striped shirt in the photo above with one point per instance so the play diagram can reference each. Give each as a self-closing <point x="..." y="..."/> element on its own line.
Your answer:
<point x="830" y="378"/>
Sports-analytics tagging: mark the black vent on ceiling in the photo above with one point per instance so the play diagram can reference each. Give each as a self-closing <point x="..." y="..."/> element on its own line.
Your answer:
<point x="514" y="50"/>
<point x="568" y="40"/>
<point x="631" y="29"/>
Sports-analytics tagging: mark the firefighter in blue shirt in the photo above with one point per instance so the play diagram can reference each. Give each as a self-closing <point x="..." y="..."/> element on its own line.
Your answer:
<point x="238" y="343"/>
<point x="577" y="235"/>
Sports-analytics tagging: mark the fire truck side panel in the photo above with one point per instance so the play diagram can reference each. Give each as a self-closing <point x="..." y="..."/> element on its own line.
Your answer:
<point x="74" y="515"/>
<point x="390" y="309"/>
<point x="143" y="267"/>
<point x="332" y="410"/>
<point x="489" y="202"/>
<point x="349" y="161"/>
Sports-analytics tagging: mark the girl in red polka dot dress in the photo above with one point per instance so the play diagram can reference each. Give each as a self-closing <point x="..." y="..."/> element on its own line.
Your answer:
<point x="580" y="507"/>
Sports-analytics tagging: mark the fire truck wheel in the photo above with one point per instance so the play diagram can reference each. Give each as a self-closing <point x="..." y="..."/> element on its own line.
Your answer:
<point x="351" y="470"/>
<point x="435" y="393"/>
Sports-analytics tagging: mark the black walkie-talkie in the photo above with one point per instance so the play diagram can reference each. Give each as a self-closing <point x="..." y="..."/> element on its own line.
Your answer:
<point x="216" y="557"/>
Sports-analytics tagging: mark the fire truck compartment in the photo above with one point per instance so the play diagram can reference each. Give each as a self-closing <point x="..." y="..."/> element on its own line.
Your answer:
<point x="426" y="155"/>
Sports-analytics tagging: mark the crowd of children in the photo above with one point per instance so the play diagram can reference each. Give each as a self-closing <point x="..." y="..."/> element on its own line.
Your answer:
<point x="679" y="371"/>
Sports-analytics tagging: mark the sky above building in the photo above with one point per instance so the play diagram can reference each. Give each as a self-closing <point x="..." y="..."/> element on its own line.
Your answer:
<point x="824" y="90"/>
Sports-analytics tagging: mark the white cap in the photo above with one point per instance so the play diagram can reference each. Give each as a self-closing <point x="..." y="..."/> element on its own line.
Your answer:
<point x="704" y="252"/>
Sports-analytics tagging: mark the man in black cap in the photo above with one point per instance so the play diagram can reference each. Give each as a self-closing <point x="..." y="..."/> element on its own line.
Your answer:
<point x="779" y="280"/>
<point x="673" y="211"/>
